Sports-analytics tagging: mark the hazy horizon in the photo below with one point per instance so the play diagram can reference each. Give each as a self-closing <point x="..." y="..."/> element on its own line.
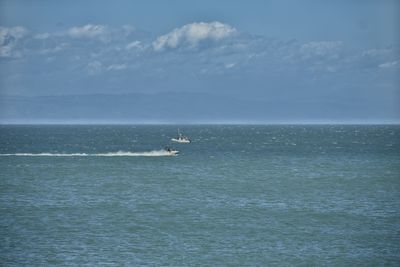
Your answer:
<point x="270" y="61"/>
<point x="199" y="123"/>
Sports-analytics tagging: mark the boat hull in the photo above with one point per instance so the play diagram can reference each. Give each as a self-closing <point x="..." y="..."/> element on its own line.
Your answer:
<point x="180" y="141"/>
<point x="173" y="153"/>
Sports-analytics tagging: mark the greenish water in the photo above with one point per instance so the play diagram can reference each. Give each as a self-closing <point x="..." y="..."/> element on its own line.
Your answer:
<point x="235" y="196"/>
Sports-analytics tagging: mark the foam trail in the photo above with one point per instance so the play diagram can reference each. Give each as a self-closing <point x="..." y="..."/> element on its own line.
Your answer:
<point x="153" y="153"/>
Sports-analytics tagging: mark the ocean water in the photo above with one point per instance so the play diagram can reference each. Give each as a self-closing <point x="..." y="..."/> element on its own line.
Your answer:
<point x="236" y="196"/>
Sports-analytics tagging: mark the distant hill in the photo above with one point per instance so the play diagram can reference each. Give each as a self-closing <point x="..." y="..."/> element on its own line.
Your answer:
<point x="170" y="107"/>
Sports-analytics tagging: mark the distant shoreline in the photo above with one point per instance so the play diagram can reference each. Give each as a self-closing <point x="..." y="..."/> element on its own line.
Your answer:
<point x="194" y="124"/>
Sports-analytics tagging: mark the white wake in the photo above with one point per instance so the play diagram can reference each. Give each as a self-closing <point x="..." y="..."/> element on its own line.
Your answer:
<point x="153" y="153"/>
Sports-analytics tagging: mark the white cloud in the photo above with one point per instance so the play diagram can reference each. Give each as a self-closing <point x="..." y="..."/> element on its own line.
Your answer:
<point x="134" y="44"/>
<point x="87" y="31"/>
<point x="8" y="39"/>
<point x="94" y="67"/>
<point x="192" y="34"/>
<point x="230" y="65"/>
<point x="117" y="67"/>
<point x="5" y="51"/>
<point x="322" y="48"/>
<point x="11" y="33"/>
<point x="42" y="36"/>
<point x="377" y="52"/>
<point x="56" y="49"/>
<point x="128" y="29"/>
<point x="388" y="64"/>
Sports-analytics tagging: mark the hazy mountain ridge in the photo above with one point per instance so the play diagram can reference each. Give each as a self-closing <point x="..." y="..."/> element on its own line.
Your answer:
<point x="169" y="107"/>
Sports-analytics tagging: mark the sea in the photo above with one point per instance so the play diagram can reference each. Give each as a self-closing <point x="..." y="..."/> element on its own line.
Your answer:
<point x="238" y="195"/>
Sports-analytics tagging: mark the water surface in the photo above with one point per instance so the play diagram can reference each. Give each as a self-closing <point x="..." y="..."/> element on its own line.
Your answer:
<point x="236" y="196"/>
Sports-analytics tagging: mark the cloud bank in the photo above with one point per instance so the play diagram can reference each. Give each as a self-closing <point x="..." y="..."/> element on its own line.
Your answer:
<point x="87" y="31"/>
<point x="9" y="38"/>
<point x="192" y="34"/>
<point x="209" y="57"/>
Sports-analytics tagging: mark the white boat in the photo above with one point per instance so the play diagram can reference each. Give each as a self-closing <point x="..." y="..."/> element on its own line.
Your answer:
<point x="181" y="139"/>
<point x="171" y="152"/>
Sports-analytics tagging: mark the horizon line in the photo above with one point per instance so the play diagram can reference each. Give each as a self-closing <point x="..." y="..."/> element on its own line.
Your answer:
<point x="49" y="123"/>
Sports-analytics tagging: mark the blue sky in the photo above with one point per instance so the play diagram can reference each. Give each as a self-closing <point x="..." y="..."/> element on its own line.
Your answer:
<point x="342" y="53"/>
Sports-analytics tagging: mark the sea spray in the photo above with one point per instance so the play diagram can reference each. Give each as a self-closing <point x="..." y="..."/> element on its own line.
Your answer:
<point x="153" y="153"/>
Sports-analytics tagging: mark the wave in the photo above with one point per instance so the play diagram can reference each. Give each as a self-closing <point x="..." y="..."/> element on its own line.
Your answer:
<point x="153" y="153"/>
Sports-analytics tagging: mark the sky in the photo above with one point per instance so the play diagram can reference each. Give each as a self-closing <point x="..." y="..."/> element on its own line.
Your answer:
<point x="298" y="56"/>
